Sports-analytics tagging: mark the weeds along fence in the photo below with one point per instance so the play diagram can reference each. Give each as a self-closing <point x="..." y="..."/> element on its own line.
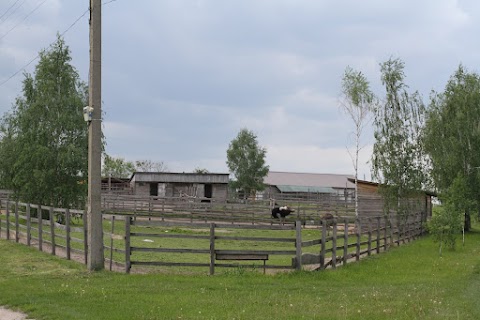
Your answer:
<point x="150" y="241"/>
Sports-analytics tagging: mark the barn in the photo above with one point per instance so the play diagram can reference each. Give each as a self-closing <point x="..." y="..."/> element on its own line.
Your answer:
<point x="175" y="184"/>
<point x="370" y="200"/>
<point x="307" y="185"/>
<point x="335" y="191"/>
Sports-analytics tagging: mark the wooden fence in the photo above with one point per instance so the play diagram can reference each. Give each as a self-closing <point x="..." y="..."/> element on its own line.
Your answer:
<point x="350" y="239"/>
<point x="220" y="243"/>
<point x="40" y="225"/>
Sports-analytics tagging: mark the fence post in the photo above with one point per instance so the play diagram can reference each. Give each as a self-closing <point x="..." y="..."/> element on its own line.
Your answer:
<point x="385" y="234"/>
<point x="369" y="236"/>
<point x="40" y="228"/>
<point x="378" y="234"/>
<point x="85" y="236"/>
<point x="345" y="242"/>
<point x="17" y="235"/>
<point x="212" y="249"/>
<point x="323" y="244"/>
<point x="8" y="220"/>
<point x="0" y="219"/>
<point x="128" y="221"/>
<point x="67" y="222"/>
<point x="52" y="228"/>
<point x="111" y="242"/>
<point x="298" y="244"/>
<point x="334" y="244"/>
<point x="29" y="225"/>
<point x="358" y="230"/>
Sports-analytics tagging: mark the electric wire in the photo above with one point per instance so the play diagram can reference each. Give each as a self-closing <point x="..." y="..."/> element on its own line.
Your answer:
<point x="8" y="9"/>
<point x="12" y="12"/>
<point x="25" y="18"/>
<point x="61" y="34"/>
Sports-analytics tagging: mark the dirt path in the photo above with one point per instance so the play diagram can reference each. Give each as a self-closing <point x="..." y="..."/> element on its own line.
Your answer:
<point x="6" y="314"/>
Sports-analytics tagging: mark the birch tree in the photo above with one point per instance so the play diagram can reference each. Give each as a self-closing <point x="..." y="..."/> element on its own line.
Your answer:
<point x="357" y="102"/>
<point x="452" y="140"/>
<point x="398" y="157"/>
<point x="44" y="138"/>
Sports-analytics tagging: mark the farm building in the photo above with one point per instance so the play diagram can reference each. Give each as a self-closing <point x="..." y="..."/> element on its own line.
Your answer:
<point x="306" y="184"/>
<point x="370" y="199"/>
<point x="173" y="184"/>
<point x="335" y="191"/>
<point x="116" y="185"/>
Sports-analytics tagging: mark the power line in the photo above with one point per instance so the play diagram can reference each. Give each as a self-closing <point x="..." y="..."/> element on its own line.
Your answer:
<point x="8" y="9"/>
<point x="25" y="18"/>
<point x="61" y="34"/>
<point x="14" y="10"/>
<point x="38" y="55"/>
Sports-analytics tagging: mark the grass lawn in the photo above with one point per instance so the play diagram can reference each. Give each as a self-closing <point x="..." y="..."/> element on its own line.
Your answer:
<point x="408" y="282"/>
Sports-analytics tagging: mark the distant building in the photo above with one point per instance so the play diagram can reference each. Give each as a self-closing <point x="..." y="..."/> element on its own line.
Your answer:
<point x="307" y="184"/>
<point x="339" y="188"/>
<point x="173" y="184"/>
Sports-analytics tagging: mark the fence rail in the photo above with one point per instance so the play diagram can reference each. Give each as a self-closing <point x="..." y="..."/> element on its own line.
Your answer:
<point x="295" y="244"/>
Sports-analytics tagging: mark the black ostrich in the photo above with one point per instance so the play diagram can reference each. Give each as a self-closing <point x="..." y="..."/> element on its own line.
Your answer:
<point x="281" y="212"/>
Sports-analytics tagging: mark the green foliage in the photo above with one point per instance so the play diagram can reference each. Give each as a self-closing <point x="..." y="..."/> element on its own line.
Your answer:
<point x="117" y="167"/>
<point x="246" y="160"/>
<point x="452" y="139"/>
<point x="445" y="226"/>
<point x="120" y="168"/>
<point x="43" y="151"/>
<point x="398" y="157"/>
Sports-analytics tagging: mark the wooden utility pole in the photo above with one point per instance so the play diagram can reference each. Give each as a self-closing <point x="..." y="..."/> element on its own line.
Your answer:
<point x="95" y="259"/>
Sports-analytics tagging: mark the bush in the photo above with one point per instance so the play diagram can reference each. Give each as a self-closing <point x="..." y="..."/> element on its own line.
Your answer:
<point x="444" y="226"/>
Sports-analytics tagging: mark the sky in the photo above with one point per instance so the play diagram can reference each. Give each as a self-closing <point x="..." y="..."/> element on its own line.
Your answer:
<point x="181" y="78"/>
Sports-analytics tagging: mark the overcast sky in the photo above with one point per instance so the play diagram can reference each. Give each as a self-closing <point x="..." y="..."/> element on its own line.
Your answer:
<point x="182" y="77"/>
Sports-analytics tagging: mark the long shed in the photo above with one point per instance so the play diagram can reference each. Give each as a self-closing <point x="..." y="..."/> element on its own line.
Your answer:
<point x="307" y="184"/>
<point x="176" y="184"/>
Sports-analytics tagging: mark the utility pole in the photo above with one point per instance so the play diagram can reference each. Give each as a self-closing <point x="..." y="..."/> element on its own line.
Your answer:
<point x="95" y="260"/>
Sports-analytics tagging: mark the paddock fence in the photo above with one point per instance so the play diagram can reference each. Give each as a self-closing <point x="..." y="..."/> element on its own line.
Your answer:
<point x="138" y="241"/>
<point x="309" y="211"/>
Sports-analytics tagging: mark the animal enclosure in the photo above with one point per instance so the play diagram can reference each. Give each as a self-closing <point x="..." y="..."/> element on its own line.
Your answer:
<point x="134" y="241"/>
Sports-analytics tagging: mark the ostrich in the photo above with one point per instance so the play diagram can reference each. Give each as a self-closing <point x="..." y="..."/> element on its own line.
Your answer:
<point x="281" y="212"/>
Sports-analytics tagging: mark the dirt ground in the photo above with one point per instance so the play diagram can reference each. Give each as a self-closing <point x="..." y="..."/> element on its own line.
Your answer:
<point x="6" y="314"/>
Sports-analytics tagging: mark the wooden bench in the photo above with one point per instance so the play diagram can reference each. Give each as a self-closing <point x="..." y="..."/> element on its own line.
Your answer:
<point x="243" y="256"/>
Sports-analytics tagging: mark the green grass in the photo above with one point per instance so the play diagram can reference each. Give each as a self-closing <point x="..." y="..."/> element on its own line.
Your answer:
<point x="408" y="282"/>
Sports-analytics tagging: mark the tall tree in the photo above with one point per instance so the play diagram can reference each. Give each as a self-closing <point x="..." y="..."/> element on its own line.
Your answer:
<point x="398" y="158"/>
<point x="357" y="102"/>
<point x="44" y="138"/>
<point x="117" y="167"/>
<point x="452" y="140"/>
<point x="246" y="160"/>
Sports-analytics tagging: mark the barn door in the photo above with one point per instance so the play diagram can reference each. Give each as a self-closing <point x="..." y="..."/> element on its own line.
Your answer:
<point x="208" y="191"/>
<point x="154" y="189"/>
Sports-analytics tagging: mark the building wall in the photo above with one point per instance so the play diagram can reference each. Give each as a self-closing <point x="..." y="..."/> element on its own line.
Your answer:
<point x="219" y="191"/>
<point x="142" y="189"/>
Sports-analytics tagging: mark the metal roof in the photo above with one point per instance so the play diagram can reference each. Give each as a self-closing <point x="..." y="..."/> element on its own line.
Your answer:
<point x="328" y="180"/>
<point x="305" y="189"/>
<point x="180" y="177"/>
